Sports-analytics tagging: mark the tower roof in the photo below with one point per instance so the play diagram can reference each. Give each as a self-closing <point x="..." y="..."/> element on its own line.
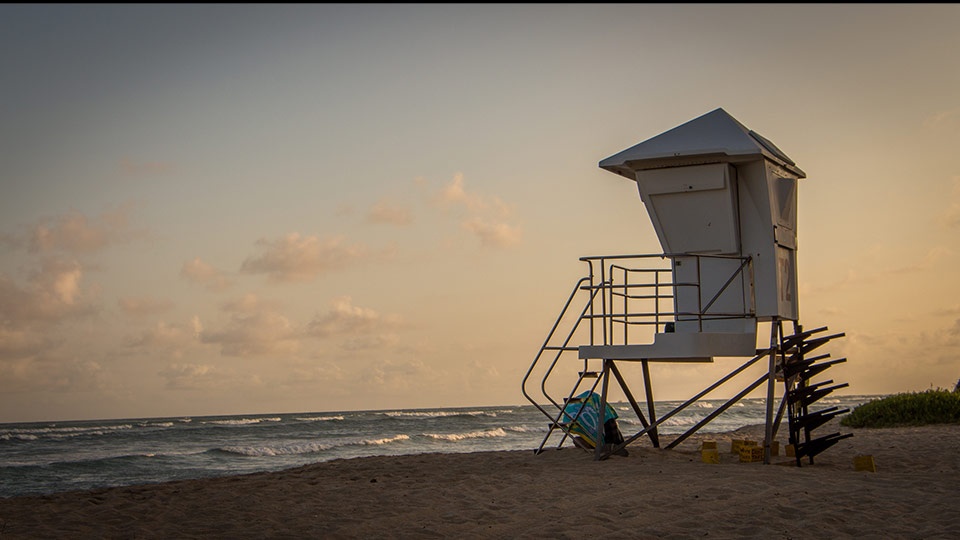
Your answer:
<point x="715" y="136"/>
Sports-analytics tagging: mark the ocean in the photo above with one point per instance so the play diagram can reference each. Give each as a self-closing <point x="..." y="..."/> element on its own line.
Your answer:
<point x="50" y="457"/>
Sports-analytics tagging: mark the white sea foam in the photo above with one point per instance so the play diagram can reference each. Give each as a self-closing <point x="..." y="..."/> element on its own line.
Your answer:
<point x="17" y="437"/>
<point x="321" y="418"/>
<point x="281" y="450"/>
<point x="155" y="424"/>
<point x="454" y="437"/>
<point x="385" y="440"/>
<point x="443" y="414"/>
<point x="60" y="432"/>
<point x="242" y="421"/>
<point x="683" y="421"/>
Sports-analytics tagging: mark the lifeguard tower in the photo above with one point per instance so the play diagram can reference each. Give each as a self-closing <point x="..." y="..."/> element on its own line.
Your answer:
<point x="723" y="202"/>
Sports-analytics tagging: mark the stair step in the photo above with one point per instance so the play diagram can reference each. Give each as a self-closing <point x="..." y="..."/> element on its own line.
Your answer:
<point x="816" y="446"/>
<point x="816" y="419"/>
<point x="815" y="369"/>
<point x="589" y="374"/>
<point x="811" y="398"/>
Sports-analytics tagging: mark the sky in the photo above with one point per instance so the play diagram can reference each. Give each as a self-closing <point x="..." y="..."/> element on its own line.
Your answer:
<point x="234" y="209"/>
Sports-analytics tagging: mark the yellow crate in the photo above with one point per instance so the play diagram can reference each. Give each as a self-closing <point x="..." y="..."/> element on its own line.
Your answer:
<point x="864" y="463"/>
<point x="708" y="445"/>
<point x="748" y="442"/>
<point x="710" y="455"/>
<point x="751" y="454"/>
<point x="775" y="448"/>
<point x="735" y="445"/>
<point x="791" y="451"/>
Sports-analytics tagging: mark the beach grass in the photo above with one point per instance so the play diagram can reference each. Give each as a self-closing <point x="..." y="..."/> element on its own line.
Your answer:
<point x="907" y="409"/>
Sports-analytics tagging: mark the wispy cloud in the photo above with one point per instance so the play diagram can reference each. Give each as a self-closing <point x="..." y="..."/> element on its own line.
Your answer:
<point x="455" y="193"/>
<point x="390" y="213"/>
<point x="75" y="232"/>
<point x="170" y="338"/>
<point x="53" y="292"/>
<point x="255" y="329"/>
<point x="141" y="306"/>
<point x="927" y="262"/>
<point x="488" y="218"/>
<point x="19" y="342"/>
<point x="493" y="234"/>
<point x="191" y="376"/>
<point x="301" y="258"/>
<point x="206" y="275"/>
<point x="396" y="374"/>
<point x="345" y="319"/>
<point x="942" y="118"/>
<point x="52" y="373"/>
<point x="950" y="218"/>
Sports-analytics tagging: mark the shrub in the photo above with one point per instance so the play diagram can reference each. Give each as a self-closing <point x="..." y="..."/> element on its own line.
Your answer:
<point x="913" y="409"/>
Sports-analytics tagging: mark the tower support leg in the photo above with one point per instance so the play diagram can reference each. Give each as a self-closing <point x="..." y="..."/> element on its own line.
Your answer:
<point x="775" y="333"/>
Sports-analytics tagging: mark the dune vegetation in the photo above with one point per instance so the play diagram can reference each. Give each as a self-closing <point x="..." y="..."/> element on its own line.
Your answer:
<point x="907" y="409"/>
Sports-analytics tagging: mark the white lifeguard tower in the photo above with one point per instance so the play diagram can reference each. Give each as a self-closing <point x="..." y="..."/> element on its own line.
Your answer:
<point x="723" y="202"/>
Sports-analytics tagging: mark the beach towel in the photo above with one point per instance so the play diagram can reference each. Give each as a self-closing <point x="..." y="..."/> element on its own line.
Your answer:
<point x="587" y="425"/>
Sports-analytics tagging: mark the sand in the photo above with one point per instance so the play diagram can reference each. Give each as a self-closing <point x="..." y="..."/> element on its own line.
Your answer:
<point x="915" y="493"/>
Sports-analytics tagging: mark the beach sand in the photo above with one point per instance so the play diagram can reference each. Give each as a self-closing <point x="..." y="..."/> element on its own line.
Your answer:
<point x="914" y="493"/>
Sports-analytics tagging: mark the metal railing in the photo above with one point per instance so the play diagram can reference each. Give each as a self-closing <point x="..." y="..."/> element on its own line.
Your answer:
<point x="657" y="290"/>
<point x="622" y="292"/>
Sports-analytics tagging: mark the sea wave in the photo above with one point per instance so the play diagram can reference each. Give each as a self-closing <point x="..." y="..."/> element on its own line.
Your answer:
<point x="17" y="437"/>
<point x="454" y="437"/>
<point x="282" y="450"/>
<point x="443" y="414"/>
<point x="54" y="432"/>
<point x="385" y="440"/>
<point x="337" y="418"/>
<point x="156" y="424"/>
<point x="683" y="420"/>
<point x="242" y="421"/>
<point x="525" y="429"/>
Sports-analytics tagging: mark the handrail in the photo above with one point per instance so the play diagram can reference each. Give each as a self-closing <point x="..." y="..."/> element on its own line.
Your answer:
<point x="613" y="279"/>
<point x="544" y="347"/>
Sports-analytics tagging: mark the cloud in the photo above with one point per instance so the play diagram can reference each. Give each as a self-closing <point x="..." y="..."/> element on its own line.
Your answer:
<point x="191" y="376"/>
<point x="943" y="118"/>
<point x="455" y="193"/>
<point x="397" y="375"/>
<point x="143" y="305"/>
<point x="22" y="342"/>
<point x="204" y="274"/>
<point x="950" y="217"/>
<point x="344" y="318"/>
<point x="928" y="261"/>
<point x="487" y="218"/>
<point x="49" y="373"/>
<point x="493" y="234"/>
<point x="389" y="213"/>
<point x="301" y="258"/>
<point x="254" y="329"/>
<point x="53" y="293"/>
<point x="874" y="273"/>
<point x="76" y="233"/>
<point x="171" y="339"/>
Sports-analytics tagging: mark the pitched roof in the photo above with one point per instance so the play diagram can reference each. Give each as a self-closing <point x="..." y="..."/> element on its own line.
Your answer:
<point x="713" y="134"/>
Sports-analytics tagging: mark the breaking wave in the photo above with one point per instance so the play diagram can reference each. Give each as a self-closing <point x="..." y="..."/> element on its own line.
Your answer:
<point x="454" y="437"/>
